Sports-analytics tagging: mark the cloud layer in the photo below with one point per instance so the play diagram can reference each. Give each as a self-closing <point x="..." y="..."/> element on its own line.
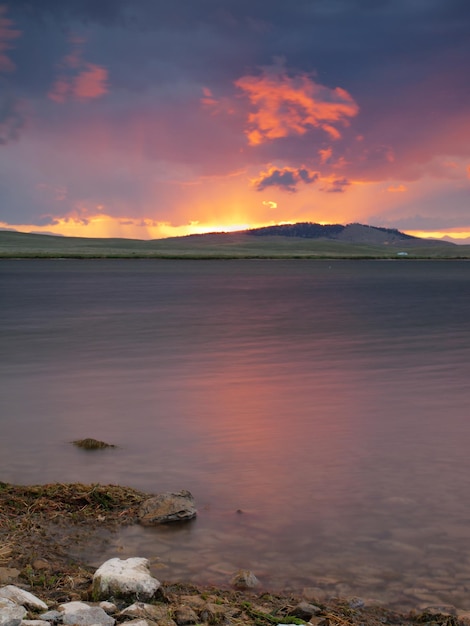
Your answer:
<point x="149" y="118"/>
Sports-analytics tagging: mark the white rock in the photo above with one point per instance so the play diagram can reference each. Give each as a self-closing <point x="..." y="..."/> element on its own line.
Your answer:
<point x="22" y="597"/>
<point x="35" y="622"/>
<point x="82" y="614"/>
<point x="11" y="614"/>
<point x="125" y="577"/>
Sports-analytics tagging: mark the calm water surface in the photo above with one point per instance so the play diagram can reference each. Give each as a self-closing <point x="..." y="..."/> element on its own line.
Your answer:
<point x="329" y="401"/>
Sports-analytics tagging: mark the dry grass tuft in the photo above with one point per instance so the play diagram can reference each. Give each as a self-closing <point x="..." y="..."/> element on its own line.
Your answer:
<point x="42" y="521"/>
<point x="5" y="552"/>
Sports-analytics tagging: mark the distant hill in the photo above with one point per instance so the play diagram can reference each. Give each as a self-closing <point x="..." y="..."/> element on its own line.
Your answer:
<point x="353" y="233"/>
<point x="289" y="241"/>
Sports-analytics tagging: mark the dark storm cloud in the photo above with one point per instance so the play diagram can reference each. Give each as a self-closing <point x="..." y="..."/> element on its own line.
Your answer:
<point x="286" y="179"/>
<point x="104" y="11"/>
<point x="12" y="118"/>
<point x="337" y="186"/>
<point x="152" y="40"/>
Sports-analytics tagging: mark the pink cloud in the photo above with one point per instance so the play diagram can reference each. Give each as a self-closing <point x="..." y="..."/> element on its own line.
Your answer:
<point x="60" y="90"/>
<point x="79" y="80"/>
<point x="7" y="34"/>
<point x="285" y="106"/>
<point x="91" y="82"/>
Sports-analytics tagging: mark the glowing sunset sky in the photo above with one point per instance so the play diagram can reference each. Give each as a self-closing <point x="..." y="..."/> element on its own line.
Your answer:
<point x="151" y="118"/>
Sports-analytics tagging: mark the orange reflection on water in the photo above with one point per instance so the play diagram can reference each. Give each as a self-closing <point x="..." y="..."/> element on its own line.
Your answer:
<point x="260" y="410"/>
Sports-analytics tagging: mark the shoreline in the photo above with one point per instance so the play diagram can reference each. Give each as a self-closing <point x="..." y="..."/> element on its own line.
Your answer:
<point x="227" y="257"/>
<point x="40" y="523"/>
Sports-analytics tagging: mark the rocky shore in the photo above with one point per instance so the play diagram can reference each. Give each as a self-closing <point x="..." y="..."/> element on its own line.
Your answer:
<point x="41" y="585"/>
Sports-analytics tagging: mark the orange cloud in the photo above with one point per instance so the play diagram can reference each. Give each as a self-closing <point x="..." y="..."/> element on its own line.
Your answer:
<point x="293" y="105"/>
<point x="94" y="224"/>
<point x="325" y="155"/>
<point x="79" y="80"/>
<point x="7" y="33"/>
<point x="397" y="189"/>
<point x="208" y="99"/>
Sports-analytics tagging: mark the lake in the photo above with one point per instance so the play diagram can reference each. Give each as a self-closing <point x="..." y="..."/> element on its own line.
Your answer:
<point x="317" y="410"/>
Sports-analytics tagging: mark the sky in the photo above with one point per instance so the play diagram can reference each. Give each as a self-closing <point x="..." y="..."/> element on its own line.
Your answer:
<point x="149" y="118"/>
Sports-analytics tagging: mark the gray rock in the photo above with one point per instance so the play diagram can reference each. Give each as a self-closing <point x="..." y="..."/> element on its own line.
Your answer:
<point x="82" y="614"/>
<point x="10" y="613"/>
<point x="194" y="601"/>
<point x="213" y="613"/>
<point x="141" y="610"/>
<point x="167" y="507"/>
<point x="52" y="616"/>
<point x="305" y="610"/>
<point x="140" y="622"/>
<point x="8" y="575"/>
<point x="244" y="579"/>
<point x="125" y="578"/>
<point x="22" y="597"/>
<point x="317" y="620"/>
<point x="356" y="603"/>
<point x="167" y="621"/>
<point x="41" y="565"/>
<point x="185" y="615"/>
<point x="34" y="622"/>
<point x="441" y="609"/>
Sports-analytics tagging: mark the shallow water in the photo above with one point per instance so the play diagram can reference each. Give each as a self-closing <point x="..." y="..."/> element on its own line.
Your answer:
<point x="328" y="401"/>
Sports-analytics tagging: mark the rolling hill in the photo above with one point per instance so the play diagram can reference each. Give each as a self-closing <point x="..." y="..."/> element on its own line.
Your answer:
<point x="301" y="240"/>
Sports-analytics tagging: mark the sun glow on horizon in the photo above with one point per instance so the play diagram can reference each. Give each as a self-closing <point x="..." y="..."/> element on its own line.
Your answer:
<point x="107" y="227"/>
<point x="439" y="234"/>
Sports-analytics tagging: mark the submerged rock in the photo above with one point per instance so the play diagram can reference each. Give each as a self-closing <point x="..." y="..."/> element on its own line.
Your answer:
<point x="167" y="507"/>
<point x="92" y="444"/>
<point x="124" y="578"/>
<point x="244" y="579"/>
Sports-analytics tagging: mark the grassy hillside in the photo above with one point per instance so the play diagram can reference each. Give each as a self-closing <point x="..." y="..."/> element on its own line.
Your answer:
<point x="217" y="245"/>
